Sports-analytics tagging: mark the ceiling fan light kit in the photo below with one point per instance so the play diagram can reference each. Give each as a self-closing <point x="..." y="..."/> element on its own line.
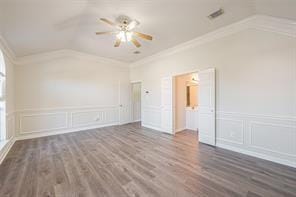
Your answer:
<point x="125" y="31"/>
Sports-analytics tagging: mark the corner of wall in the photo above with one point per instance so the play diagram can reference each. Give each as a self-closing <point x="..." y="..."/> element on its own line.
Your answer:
<point x="9" y="58"/>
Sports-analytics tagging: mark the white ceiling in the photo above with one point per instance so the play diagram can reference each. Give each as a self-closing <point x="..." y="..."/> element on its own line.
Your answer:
<point x="35" y="26"/>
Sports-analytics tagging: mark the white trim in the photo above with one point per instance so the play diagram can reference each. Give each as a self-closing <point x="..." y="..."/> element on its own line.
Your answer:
<point x="50" y="133"/>
<point x="42" y="130"/>
<point x="93" y="123"/>
<point x="152" y="127"/>
<point x="241" y="142"/>
<point x="67" y="108"/>
<point x="7" y="51"/>
<point x="136" y="81"/>
<point x="108" y="115"/>
<point x="252" y="145"/>
<point x="4" y="149"/>
<point x="177" y="74"/>
<point x="47" y="56"/>
<point x="261" y="22"/>
<point x="257" y="155"/>
<point x="269" y="116"/>
<point x="180" y="129"/>
<point x="138" y="120"/>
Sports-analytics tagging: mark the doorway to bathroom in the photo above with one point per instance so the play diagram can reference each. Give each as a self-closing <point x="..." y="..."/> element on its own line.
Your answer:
<point x="186" y="102"/>
<point x="176" y="101"/>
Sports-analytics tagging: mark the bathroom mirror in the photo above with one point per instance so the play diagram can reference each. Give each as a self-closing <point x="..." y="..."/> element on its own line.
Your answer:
<point x="191" y="95"/>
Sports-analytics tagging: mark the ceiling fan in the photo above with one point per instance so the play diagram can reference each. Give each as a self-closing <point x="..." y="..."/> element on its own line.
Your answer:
<point x="125" y="31"/>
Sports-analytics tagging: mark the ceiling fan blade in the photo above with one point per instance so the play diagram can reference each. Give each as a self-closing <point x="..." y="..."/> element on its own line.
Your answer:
<point x="117" y="42"/>
<point x="108" y="22"/>
<point x="135" y="42"/>
<point x="132" y="25"/>
<point x="106" y="32"/>
<point x="144" y="36"/>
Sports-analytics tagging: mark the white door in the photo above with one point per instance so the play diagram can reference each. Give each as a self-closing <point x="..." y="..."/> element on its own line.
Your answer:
<point x="206" y="107"/>
<point x="124" y="102"/>
<point x="167" y="104"/>
<point x="136" y="102"/>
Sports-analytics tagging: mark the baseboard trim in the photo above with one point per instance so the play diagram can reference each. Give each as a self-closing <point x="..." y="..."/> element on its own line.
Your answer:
<point x="50" y="133"/>
<point x="258" y="155"/>
<point x="6" y="148"/>
<point x="179" y="130"/>
<point x="152" y="127"/>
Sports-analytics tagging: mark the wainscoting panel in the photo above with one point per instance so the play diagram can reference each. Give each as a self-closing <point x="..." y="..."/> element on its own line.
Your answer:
<point x="269" y="137"/>
<point x="92" y="117"/>
<point x="35" y="123"/>
<point x="152" y="117"/>
<point x="230" y="131"/>
<point x="273" y="138"/>
<point x="43" y="122"/>
<point x="10" y="125"/>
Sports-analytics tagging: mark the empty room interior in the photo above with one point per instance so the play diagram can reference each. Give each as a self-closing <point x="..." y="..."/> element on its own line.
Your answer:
<point x="148" y="98"/>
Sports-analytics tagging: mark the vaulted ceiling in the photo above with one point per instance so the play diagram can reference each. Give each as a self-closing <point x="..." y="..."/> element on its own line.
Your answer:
<point x="36" y="26"/>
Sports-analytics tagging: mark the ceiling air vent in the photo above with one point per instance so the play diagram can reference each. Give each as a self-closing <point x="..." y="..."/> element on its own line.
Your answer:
<point x="216" y="14"/>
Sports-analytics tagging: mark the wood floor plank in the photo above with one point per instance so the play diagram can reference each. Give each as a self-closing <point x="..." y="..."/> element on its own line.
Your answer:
<point x="130" y="160"/>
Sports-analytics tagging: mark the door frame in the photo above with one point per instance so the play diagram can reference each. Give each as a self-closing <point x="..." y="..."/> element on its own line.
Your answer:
<point x="174" y="89"/>
<point x="142" y="98"/>
<point x="132" y="106"/>
<point x="174" y="98"/>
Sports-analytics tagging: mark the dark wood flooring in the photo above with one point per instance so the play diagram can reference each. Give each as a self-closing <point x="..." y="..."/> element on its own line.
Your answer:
<point x="133" y="161"/>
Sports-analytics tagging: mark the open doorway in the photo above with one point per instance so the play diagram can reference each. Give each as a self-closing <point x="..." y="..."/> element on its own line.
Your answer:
<point x="136" y="102"/>
<point x="179" y="113"/>
<point x="186" y="102"/>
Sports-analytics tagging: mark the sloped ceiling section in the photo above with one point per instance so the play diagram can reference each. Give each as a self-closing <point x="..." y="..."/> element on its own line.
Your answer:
<point x="37" y="26"/>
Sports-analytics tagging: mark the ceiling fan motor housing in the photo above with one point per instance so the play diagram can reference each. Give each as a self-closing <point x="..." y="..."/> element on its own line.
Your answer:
<point x="123" y="20"/>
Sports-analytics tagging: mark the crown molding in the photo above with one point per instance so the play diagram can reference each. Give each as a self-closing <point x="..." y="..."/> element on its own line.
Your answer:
<point x="7" y="51"/>
<point x="261" y="22"/>
<point x="47" y="56"/>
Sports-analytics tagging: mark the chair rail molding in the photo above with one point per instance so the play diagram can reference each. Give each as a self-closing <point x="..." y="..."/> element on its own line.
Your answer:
<point x="258" y="135"/>
<point x="33" y="123"/>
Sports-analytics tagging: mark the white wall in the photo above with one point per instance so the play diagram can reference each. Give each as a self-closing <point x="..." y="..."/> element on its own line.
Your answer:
<point x="67" y="91"/>
<point x="256" y="85"/>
